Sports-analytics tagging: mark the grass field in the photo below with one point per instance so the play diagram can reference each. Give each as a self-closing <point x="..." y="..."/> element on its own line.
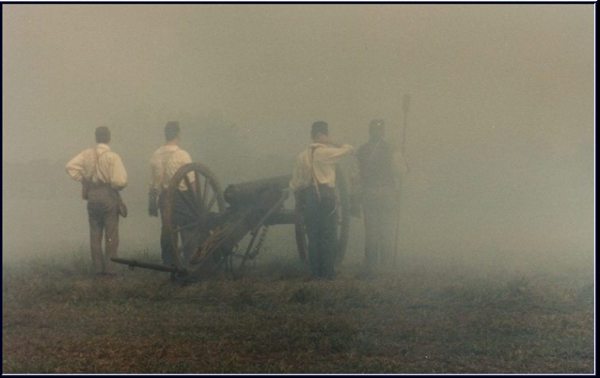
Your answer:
<point x="58" y="318"/>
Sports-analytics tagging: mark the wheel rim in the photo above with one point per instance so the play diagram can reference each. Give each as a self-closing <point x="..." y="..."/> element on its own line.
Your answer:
<point x="201" y="199"/>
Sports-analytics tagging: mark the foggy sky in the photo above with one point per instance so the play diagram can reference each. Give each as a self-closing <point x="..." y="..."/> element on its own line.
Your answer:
<point x="500" y="136"/>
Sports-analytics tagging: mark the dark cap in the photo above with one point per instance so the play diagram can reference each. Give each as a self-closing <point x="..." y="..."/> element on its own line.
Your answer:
<point x="319" y="127"/>
<point x="172" y="130"/>
<point x="102" y="134"/>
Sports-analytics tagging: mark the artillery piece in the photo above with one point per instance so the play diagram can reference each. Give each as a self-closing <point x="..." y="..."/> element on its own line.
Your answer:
<point x="216" y="230"/>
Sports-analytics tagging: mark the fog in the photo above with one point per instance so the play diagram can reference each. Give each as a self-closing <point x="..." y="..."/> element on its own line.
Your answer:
<point x="500" y="135"/>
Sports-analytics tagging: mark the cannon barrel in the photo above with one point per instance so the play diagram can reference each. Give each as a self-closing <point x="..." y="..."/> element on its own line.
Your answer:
<point x="252" y="192"/>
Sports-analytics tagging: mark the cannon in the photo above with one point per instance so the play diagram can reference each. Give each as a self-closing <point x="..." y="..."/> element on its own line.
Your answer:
<point x="206" y="225"/>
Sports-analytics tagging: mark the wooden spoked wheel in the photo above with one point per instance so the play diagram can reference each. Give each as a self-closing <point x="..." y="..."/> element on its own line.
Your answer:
<point x="194" y="197"/>
<point x="343" y="220"/>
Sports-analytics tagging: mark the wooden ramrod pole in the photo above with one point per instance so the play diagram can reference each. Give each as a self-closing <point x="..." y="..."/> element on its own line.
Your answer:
<point x="405" y="107"/>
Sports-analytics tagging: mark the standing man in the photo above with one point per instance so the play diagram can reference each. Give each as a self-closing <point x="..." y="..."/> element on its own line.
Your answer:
<point x="313" y="183"/>
<point x="102" y="175"/>
<point x="378" y="182"/>
<point x="165" y="161"/>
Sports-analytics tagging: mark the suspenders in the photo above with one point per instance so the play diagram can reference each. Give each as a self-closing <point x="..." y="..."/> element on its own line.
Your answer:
<point x="312" y="170"/>
<point x="96" y="168"/>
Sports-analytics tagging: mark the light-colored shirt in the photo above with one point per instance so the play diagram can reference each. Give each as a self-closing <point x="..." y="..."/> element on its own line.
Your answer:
<point x="98" y="164"/>
<point x="320" y="158"/>
<point x="165" y="161"/>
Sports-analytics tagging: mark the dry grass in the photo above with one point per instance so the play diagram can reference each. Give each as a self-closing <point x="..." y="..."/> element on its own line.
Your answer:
<point x="57" y="318"/>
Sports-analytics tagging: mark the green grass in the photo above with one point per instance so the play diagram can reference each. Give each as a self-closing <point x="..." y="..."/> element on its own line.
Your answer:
<point x="58" y="318"/>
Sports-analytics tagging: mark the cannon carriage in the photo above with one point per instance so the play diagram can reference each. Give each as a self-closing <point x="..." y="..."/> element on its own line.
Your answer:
<point x="206" y="225"/>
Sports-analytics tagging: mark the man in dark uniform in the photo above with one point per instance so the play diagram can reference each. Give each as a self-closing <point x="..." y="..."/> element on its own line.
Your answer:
<point x="378" y="183"/>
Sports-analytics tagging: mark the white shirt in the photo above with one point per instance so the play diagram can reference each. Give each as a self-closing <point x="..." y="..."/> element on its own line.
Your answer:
<point x="98" y="164"/>
<point x="322" y="161"/>
<point x="165" y="161"/>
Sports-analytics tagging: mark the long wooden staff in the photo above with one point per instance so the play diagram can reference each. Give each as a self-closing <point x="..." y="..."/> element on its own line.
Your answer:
<point x="405" y="106"/>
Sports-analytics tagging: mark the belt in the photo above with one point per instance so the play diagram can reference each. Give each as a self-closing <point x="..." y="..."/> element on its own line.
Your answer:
<point x="100" y="184"/>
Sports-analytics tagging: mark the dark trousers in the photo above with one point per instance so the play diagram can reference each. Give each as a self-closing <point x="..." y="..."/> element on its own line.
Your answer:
<point x="379" y="208"/>
<point x="321" y="228"/>
<point x="181" y="215"/>
<point x="103" y="215"/>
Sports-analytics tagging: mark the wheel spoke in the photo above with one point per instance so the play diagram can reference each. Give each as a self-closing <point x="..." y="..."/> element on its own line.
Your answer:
<point x="212" y="202"/>
<point x="205" y="189"/>
<point x="199" y="194"/>
<point x="188" y="184"/>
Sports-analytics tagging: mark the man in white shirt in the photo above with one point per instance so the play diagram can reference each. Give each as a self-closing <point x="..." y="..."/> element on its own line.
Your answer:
<point x="313" y="183"/>
<point x="102" y="175"/>
<point x="164" y="163"/>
